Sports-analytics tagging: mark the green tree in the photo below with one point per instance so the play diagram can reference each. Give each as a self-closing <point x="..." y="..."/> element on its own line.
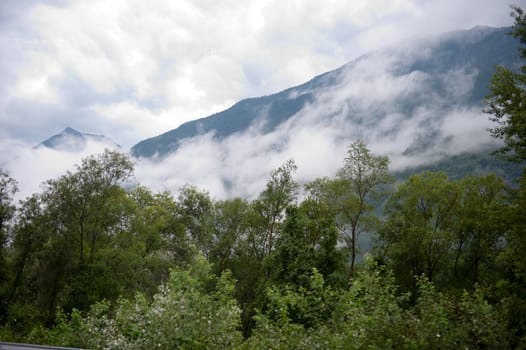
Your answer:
<point x="479" y="229"/>
<point x="261" y="229"/>
<point x="295" y="318"/>
<point x="511" y="264"/>
<point x="356" y="191"/>
<point x="506" y="103"/>
<point x="158" y="223"/>
<point x="229" y="233"/>
<point x="81" y="202"/>
<point x="62" y="230"/>
<point x="30" y="235"/>
<point x="372" y="314"/>
<point x="183" y="314"/>
<point x="8" y="188"/>
<point x="418" y="233"/>
<point x="507" y="98"/>
<point x="305" y="243"/>
<point x="269" y="208"/>
<point x="195" y="215"/>
<point x="140" y="252"/>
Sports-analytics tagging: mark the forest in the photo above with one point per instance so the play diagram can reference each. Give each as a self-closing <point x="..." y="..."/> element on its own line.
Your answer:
<point x="355" y="261"/>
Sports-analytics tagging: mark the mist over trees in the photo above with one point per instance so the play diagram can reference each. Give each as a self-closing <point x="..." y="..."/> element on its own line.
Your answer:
<point x="90" y="262"/>
<point x="94" y="262"/>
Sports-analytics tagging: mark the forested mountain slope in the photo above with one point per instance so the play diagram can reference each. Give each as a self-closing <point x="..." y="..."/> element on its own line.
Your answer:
<point x="437" y="83"/>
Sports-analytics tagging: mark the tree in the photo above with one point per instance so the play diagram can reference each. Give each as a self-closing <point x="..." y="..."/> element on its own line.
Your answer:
<point x="306" y="242"/>
<point x="30" y="234"/>
<point x="372" y="314"/>
<point x="480" y="227"/>
<point x="512" y="265"/>
<point x="8" y="188"/>
<point x="63" y="230"/>
<point x="507" y="98"/>
<point x="229" y="233"/>
<point x="183" y="314"/>
<point x="359" y="184"/>
<point x="151" y="215"/>
<point x="195" y="214"/>
<point x="81" y="202"/>
<point x="159" y="223"/>
<point x="261" y="228"/>
<point x="279" y="193"/>
<point x="138" y="256"/>
<point x="506" y="103"/>
<point x="418" y="233"/>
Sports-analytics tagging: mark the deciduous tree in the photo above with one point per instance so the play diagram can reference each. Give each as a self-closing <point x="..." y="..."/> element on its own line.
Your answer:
<point x="356" y="190"/>
<point x="506" y="101"/>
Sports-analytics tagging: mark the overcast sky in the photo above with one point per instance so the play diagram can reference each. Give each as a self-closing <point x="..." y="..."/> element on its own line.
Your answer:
<point x="132" y="69"/>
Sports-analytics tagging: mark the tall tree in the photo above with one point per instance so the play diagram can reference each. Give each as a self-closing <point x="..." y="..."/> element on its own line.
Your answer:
<point x="8" y="188"/>
<point x="195" y="214"/>
<point x="279" y="193"/>
<point x="418" y="234"/>
<point x="230" y="228"/>
<point x="77" y="215"/>
<point x="359" y="185"/>
<point x="507" y="98"/>
<point x="307" y="241"/>
<point x="512" y="265"/>
<point x="506" y="103"/>
<point x="81" y="202"/>
<point x="480" y="227"/>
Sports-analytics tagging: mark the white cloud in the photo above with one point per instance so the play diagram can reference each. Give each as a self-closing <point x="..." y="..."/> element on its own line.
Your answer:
<point x="133" y="69"/>
<point x="194" y="58"/>
<point x="364" y="105"/>
<point x="37" y="88"/>
<point x="30" y="166"/>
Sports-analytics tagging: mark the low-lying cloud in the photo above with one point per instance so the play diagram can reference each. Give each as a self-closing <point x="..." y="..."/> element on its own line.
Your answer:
<point x="135" y="69"/>
<point x="395" y="110"/>
<point x="30" y="166"/>
<point x="399" y="115"/>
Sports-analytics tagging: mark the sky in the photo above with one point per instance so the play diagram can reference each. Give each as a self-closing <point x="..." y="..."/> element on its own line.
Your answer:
<point x="132" y="69"/>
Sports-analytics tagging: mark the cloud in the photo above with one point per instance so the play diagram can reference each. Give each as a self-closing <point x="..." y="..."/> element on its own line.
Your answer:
<point x="132" y="69"/>
<point x="176" y="61"/>
<point x="30" y="166"/>
<point x="240" y="165"/>
<point x="368" y="103"/>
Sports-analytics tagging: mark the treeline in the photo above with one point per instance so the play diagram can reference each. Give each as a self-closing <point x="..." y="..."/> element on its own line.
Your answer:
<point x="88" y="263"/>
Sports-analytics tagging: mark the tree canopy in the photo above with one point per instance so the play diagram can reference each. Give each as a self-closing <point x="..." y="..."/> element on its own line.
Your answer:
<point x="506" y="101"/>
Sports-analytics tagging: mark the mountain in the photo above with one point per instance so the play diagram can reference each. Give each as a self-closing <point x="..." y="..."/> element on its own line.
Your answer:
<point x="71" y="140"/>
<point x="462" y="165"/>
<point x="431" y="86"/>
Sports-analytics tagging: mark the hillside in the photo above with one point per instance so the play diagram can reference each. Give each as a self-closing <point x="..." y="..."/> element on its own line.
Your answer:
<point x="427" y="81"/>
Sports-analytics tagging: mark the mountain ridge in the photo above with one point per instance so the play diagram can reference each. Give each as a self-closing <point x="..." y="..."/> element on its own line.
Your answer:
<point x="71" y="140"/>
<point x="477" y="50"/>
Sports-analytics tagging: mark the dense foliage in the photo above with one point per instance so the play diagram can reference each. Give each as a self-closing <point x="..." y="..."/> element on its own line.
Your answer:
<point x="88" y="263"/>
<point x="93" y="262"/>
<point x="507" y="99"/>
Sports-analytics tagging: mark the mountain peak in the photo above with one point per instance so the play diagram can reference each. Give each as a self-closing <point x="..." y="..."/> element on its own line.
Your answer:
<point x="70" y="131"/>
<point x="71" y="140"/>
